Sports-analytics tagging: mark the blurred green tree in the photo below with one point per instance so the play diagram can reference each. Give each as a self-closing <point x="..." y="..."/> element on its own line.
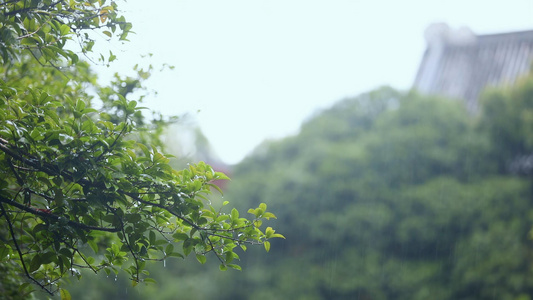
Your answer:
<point x="393" y="195"/>
<point x="507" y="118"/>
<point x="387" y="195"/>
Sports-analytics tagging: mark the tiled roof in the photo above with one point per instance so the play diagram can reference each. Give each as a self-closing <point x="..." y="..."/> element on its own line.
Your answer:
<point x="459" y="64"/>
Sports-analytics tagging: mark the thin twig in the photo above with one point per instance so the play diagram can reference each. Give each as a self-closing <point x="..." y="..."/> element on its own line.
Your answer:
<point x="21" y="256"/>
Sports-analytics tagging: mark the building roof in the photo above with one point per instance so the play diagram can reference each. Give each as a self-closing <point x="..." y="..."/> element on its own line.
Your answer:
<point x="459" y="64"/>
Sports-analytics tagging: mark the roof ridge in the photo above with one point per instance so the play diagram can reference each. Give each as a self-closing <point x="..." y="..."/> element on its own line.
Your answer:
<point x="505" y="34"/>
<point x="460" y="64"/>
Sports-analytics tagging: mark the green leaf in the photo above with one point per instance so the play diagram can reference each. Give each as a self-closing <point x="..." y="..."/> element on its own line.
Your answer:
<point x="149" y="280"/>
<point x="133" y="218"/>
<point x="221" y="176"/>
<point x="47" y="257"/>
<point x="188" y="245"/>
<point x="80" y="105"/>
<point x="277" y="235"/>
<point x="216" y="187"/>
<point x="268" y="215"/>
<point x="48" y="54"/>
<point x="221" y="218"/>
<point x="37" y="134"/>
<point x="152" y="237"/>
<point x="267" y="246"/>
<point x="201" y="258"/>
<point x="65" y="139"/>
<point x="179" y="236"/>
<point x="24" y="286"/>
<point x="169" y="249"/>
<point x="112" y="56"/>
<point x="65" y="295"/>
<point x="29" y="41"/>
<point x="269" y="232"/>
<point x="234" y="214"/>
<point x="236" y="267"/>
<point x="5" y="250"/>
<point x="35" y="263"/>
<point x="64" y="29"/>
<point x="74" y="58"/>
<point x="176" y="254"/>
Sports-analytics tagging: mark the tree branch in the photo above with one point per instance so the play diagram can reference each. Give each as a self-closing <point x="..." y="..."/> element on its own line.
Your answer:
<point x="21" y="256"/>
<point x="49" y="169"/>
<point x="50" y="216"/>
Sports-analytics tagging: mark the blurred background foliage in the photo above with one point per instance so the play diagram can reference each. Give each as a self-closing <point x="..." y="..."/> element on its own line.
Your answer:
<point x="387" y="195"/>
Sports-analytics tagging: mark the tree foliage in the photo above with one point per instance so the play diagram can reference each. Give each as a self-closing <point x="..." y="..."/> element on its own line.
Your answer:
<point x="394" y="195"/>
<point x="508" y="119"/>
<point x="86" y="188"/>
<point x="42" y="29"/>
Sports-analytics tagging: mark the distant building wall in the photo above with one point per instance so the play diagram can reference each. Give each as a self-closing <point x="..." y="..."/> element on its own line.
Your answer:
<point x="460" y="64"/>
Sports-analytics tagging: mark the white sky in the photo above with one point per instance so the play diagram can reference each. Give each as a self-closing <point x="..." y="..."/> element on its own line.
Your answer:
<point x="255" y="69"/>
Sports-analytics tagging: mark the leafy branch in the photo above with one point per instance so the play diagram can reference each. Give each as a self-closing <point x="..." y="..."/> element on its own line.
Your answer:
<point x="105" y="182"/>
<point x="82" y="188"/>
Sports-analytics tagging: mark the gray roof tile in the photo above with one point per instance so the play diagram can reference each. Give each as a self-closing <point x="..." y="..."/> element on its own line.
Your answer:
<point x="459" y="64"/>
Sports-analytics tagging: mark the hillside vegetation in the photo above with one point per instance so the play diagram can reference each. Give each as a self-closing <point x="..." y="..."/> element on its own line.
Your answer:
<point x="387" y="195"/>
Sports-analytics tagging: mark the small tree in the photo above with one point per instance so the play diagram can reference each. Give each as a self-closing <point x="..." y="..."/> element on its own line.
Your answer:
<point x="84" y="188"/>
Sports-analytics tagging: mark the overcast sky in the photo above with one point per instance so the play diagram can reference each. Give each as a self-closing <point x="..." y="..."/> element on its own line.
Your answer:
<point x="250" y="70"/>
